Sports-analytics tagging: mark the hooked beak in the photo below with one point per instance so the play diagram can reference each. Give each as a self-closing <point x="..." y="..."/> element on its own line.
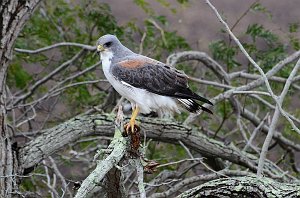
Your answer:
<point x="100" y="48"/>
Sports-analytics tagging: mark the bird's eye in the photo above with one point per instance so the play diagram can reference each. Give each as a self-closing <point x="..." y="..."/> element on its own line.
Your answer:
<point x="108" y="44"/>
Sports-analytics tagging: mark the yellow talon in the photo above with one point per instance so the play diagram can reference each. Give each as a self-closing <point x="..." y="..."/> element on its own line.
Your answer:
<point x="131" y="124"/>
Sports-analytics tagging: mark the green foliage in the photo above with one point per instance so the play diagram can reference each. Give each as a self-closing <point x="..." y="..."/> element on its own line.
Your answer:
<point x="175" y="153"/>
<point x="290" y="133"/>
<point x="164" y="3"/>
<point x="293" y="27"/>
<point x="258" y="31"/>
<point x="145" y="6"/>
<point x="183" y="1"/>
<point x="257" y="7"/>
<point x="175" y="42"/>
<point x="18" y="76"/>
<point x="160" y="43"/>
<point x="295" y="43"/>
<point x="30" y="183"/>
<point x="270" y="55"/>
<point x="225" y="53"/>
<point x="27" y="185"/>
<point x="294" y="40"/>
<point x="267" y="53"/>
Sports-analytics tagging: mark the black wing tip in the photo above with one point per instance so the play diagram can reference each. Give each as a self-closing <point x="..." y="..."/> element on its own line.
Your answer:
<point x="193" y="95"/>
<point x="189" y="94"/>
<point x="193" y="107"/>
<point x="202" y="99"/>
<point x="206" y="110"/>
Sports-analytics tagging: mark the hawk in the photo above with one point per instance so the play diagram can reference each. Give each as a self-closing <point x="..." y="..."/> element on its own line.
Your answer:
<point x="148" y="84"/>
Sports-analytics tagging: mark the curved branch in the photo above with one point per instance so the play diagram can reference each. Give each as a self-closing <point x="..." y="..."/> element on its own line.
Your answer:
<point x="83" y="46"/>
<point x="213" y="65"/>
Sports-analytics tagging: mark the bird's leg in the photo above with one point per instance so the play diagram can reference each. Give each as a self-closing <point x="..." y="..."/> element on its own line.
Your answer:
<point x="131" y="123"/>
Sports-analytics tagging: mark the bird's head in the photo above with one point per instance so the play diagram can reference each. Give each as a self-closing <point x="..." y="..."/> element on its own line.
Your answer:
<point x="108" y="43"/>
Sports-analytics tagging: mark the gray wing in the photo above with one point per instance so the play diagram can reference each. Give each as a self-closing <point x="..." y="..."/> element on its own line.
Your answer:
<point x="155" y="77"/>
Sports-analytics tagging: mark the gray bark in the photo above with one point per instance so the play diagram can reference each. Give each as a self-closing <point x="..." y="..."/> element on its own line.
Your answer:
<point x="13" y="16"/>
<point x="52" y="140"/>
<point x="113" y="183"/>
<point x="103" y="167"/>
<point x="250" y="186"/>
<point x="107" y="169"/>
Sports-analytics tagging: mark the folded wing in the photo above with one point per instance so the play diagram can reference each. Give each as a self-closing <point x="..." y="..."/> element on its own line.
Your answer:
<point x="155" y="77"/>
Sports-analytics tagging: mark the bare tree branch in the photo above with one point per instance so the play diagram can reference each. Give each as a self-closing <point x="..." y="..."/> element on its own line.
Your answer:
<point x="60" y="176"/>
<point x="264" y="76"/>
<point x="250" y="186"/>
<point x="275" y="118"/>
<point x="51" y="140"/>
<point x="47" y="77"/>
<point x="83" y="46"/>
<point x="118" y="146"/>
<point x="197" y="179"/>
<point x="140" y="178"/>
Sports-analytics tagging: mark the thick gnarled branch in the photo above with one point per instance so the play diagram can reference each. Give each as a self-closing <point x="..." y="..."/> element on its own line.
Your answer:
<point x="249" y="186"/>
<point x="51" y="140"/>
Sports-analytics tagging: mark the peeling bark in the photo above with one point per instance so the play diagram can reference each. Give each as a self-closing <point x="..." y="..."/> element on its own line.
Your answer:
<point x="250" y="186"/>
<point x="107" y="168"/>
<point x="52" y="140"/>
<point x="103" y="167"/>
<point x="113" y="183"/>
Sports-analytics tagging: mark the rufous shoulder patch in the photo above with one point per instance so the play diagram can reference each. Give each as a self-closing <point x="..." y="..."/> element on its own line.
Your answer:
<point x="132" y="63"/>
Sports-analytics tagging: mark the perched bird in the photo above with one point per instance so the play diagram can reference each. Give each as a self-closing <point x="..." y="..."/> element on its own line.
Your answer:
<point x="148" y="84"/>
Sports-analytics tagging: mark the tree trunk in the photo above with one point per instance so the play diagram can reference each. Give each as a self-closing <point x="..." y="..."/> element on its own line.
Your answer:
<point x="13" y="16"/>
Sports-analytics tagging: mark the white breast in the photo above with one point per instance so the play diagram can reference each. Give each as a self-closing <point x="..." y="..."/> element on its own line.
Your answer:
<point x="118" y="86"/>
<point x="106" y="61"/>
<point x="145" y="100"/>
